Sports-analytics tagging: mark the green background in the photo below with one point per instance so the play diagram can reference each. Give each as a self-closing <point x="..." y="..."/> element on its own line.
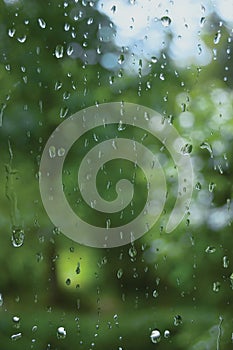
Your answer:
<point x="111" y="298"/>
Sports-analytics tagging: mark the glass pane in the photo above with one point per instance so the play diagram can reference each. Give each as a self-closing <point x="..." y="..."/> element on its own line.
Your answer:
<point x="116" y="135"/>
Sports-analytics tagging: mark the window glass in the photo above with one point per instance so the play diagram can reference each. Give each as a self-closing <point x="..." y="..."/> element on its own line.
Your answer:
<point x="113" y="112"/>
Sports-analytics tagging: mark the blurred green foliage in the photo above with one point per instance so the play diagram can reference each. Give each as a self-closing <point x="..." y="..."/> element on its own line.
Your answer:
<point x="111" y="298"/>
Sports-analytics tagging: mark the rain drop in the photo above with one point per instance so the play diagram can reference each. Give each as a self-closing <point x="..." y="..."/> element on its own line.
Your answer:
<point x="34" y="329"/>
<point x="17" y="237"/>
<point x="22" y="39"/>
<point x="61" y="151"/>
<point x="166" y="334"/>
<point x="108" y="223"/>
<point x="119" y="273"/>
<point x="58" y="85"/>
<point x="166" y="21"/>
<point x="78" y="269"/>
<point x="210" y="249"/>
<point x="113" y="9"/>
<point x="216" y="286"/>
<point x="59" y="51"/>
<point x="217" y="38"/>
<point x="155" y="293"/>
<point x="90" y="20"/>
<point x="212" y="186"/>
<point x="154" y="59"/>
<point x="226" y="262"/>
<point x="187" y="148"/>
<point x="68" y="282"/>
<point x="177" y="320"/>
<point x="52" y="152"/>
<point x="206" y="145"/>
<point x="41" y="23"/>
<point x="148" y="85"/>
<point x="121" y="126"/>
<point x="111" y="80"/>
<point x="11" y="32"/>
<point x="61" y="333"/>
<point x="198" y="186"/>
<point x="70" y="50"/>
<point x="132" y="252"/>
<point x="66" y="27"/>
<point x="16" y="336"/>
<point x="155" y="336"/>
<point x="1" y="300"/>
<point x="202" y="21"/>
<point x="161" y="76"/>
<point x="121" y="59"/>
<point x="231" y="280"/>
<point x="63" y="112"/>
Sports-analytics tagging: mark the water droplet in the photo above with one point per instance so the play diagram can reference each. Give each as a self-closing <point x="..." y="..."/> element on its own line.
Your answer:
<point x="108" y="223"/>
<point x="132" y="252"/>
<point x="217" y="37"/>
<point x="90" y="20"/>
<point x="216" y="286"/>
<point x="210" y="250"/>
<point x="34" y="329"/>
<point x="66" y="27"/>
<point x="177" y="320"/>
<point x="155" y="336"/>
<point x="198" y="186"/>
<point x="212" y="186"/>
<point x="78" y="269"/>
<point x="68" y="281"/>
<point x="187" y="148"/>
<point x="202" y="21"/>
<point x="52" y="152"/>
<point x="11" y="32"/>
<point x="63" y="112"/>
<point x="161" y="77"/>
<point x="16" y="336"/>
<point x="113" y="9"/>
<point x="59" y="51"/>
<point x="148" y="85"/>
<point x="166" y="334"/>
<point x="17" y="237"/>
<point x="206" y="145"/>
<point x="154" y="59"/>
<point x="61" y="151"/>
<point x="41" y="23"/>
<point x="16" y="318"/>
<point x="111" y="80"/>
<point x="70" y="50"/>
<point x="231" y="280"/>
<point x="121" y="59"/>
<point x="58" y="85"/>
<point x="225" y="261"/>
<point x="166" y="21"/>
<point x="155" y="293"/>
<point x="56" y="231"/>
<point x="1" y="300"/>
<point x="119" y="273"/>
<point x="22" y="39"/>
<point x="121" y="126"/>
<point x="61" y="333"/>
